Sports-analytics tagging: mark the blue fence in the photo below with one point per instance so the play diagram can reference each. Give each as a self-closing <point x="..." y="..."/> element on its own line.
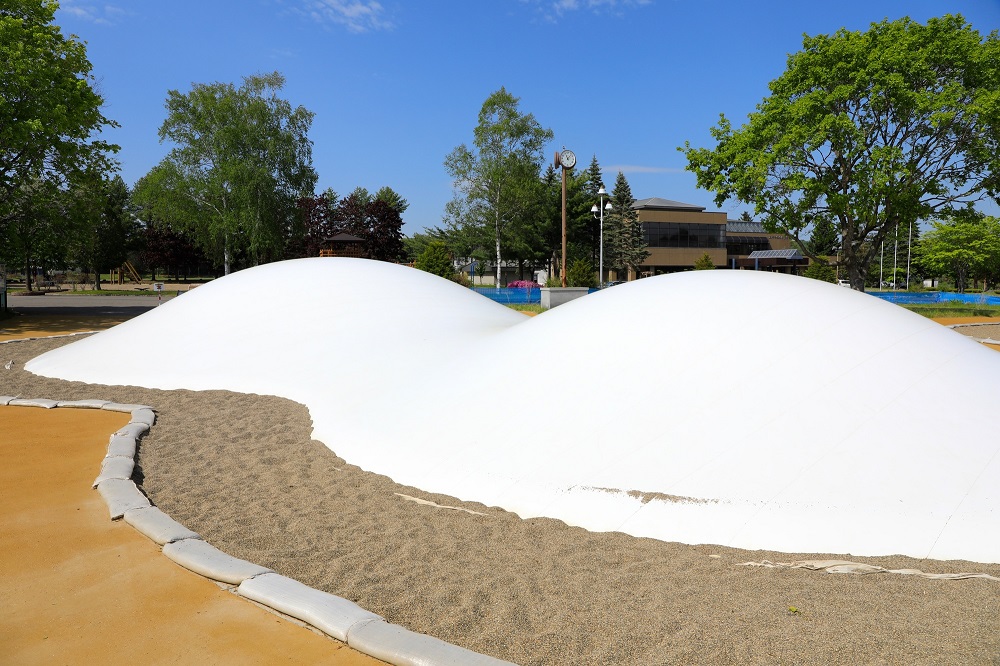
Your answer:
<point x="510" y="295"/>
<point x="915" y="298"/>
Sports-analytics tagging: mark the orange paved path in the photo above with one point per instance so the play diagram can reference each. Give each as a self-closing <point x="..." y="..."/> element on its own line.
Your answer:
<point x="78" y="588"/>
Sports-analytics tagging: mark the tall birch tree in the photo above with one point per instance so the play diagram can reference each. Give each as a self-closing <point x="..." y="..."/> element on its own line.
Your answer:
<point x="495" y="179"/>
<point x="240" y="162"/>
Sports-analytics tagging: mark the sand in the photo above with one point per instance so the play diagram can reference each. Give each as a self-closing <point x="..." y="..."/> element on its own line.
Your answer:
<point x="243" y="471"/>
<point x="79" y="588"/>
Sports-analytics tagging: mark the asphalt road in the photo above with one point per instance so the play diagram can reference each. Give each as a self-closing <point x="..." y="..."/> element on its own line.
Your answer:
<point x="83" y="305"/>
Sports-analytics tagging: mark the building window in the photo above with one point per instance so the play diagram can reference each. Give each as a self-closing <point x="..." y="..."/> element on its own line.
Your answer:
<point x="744" y="245"/>
<point x="678" y="234"/>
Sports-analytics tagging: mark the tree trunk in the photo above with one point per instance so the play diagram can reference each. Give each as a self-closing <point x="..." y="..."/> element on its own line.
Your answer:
<point x="97" y="279"/>
<point x="27" y="272"/>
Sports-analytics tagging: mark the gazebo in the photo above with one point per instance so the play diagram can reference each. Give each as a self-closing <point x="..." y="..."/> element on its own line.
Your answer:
<point x="344" y="245"/>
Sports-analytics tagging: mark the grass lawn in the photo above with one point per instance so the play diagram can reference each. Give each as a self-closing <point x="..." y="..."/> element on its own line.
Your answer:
<point x="954" y="310"/>
<point x="526" y="307"/>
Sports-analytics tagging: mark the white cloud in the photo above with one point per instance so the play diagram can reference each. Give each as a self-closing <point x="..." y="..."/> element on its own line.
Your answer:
<point x="93" y="12"/>
<point x="355" y="15"/>
<point x="557" y="8"/>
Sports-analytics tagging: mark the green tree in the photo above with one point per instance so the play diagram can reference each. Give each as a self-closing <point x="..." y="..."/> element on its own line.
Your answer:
<point x="624" y="243"/>
<point x="964" y="246"/>
<point x="242" y="159"/>
<point x="874" y="129"/>
<point x="704" y="263"/>
<point x="35" y="230"/>
<point x="48" y="113"/>
<point x="48" y="108"/>
<point x="594" y="183"/>
<point x="820" y="270"/>
<point x="823" y="240"/>
<point x="103" y="229"/>
<point x="393" y="198"/>
<point x="494" y="180"/>
<point x="581" y="273"/>
<point x="436" y="258"/>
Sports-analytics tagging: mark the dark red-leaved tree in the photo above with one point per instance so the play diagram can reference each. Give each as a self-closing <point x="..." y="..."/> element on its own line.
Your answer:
<point x="374" y="220"/>
<point x="385" y="232"/>
<point x="165" y="248"/>
<point x="319" y="221"/>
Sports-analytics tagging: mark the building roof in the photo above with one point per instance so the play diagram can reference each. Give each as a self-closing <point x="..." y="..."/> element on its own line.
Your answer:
<point x="657" y="203"/>
<point x="744" y="227"/>
<point x="344" y="238"/>
<point x="791" y="253"/>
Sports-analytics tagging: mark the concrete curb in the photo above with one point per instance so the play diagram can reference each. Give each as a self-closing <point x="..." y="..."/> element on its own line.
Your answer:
<point x="334" y="616"/>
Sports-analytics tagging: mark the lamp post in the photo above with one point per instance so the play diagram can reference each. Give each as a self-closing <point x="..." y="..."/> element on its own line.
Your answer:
<point x="595" y="209"/>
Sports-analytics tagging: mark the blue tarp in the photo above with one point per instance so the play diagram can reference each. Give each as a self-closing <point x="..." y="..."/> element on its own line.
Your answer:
<point x="914" y="298"/>
<point x="510" y="295"/>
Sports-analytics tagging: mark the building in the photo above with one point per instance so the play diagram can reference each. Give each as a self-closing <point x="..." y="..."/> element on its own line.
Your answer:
<point x="677" y="234"/>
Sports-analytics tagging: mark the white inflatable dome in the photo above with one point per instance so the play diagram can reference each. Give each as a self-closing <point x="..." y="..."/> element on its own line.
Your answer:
<point x="740" y="408"/>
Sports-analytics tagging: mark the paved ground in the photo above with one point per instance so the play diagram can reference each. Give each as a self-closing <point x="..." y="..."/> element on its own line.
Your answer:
<point x="70" y="303"/>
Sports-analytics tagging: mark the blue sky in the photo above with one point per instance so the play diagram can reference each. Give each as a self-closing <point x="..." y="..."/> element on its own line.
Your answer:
<point x="397" y="85"/>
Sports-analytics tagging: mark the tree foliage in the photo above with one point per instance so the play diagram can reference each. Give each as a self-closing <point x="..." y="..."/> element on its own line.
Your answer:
<point x="34" y="233"/>
<point x="495" y="180"/>
<point x="581" y="273"/>
<point x="964" y="246"/>
<point x="102" y="227"/>
<point x="624" y="244"/>
<point x="240" y="162"/>
<point x="436" y="258"/>
<point x="48" y="108"/>
<point x="820" y="270"/>
<point x="823" y="240"/>
<point x="166" y="248"/>
<point x="49" y="113"/>
<point x="873" y="129"/>
<point x="704" y="263"/>
<point x="374" y="219"/>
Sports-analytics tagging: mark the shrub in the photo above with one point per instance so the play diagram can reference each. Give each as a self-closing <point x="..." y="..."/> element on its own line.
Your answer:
<point x="436" y="259"/>
<point x="581" y="274"/>
<point x="704" y="263"/>
<point x="820" y="271"/>
<point x="523" y="284"/>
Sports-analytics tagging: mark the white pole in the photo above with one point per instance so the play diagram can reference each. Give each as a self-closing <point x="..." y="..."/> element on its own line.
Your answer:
<point x="895" y="246"/>
<point x="600" y="269"/>
<point x="909" y="241"/>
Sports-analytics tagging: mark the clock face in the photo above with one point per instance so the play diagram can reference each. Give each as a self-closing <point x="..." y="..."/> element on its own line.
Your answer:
<point x="568" y="159"/>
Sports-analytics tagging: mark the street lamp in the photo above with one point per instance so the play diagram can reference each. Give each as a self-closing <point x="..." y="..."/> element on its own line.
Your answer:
<point x="595" y="209"/>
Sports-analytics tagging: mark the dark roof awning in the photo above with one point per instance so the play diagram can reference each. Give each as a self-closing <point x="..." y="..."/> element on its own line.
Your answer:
<point x="344" y="238"/>
<point x="776" y="254"/>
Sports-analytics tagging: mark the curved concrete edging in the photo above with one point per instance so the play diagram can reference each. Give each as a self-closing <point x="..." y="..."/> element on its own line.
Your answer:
<point x="986" y="341"/>
<point x="334" y="616"/>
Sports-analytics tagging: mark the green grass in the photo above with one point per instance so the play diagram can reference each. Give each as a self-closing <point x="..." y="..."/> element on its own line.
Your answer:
<point x="954" y="310"/>
<point x="526" y="307"/>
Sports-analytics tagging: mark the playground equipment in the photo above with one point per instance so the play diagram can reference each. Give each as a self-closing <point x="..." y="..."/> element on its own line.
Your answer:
<point x="125" y="272"/>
